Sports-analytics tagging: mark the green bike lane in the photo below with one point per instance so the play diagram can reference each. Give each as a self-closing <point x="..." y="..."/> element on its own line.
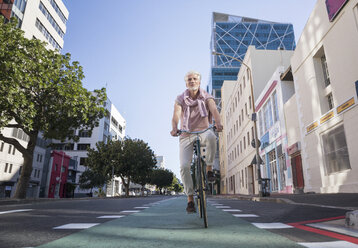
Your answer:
<point x="168" y="225"/>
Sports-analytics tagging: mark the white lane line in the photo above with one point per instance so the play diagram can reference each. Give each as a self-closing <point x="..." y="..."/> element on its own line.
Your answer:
<point x="77" y="226"/>
<point x="274" y="225"/>
<point x="110" y="216"/>
<point x="332" y="244"/>
<point x="15" y="211"/>
<point x="130" y="211"/>
<point x="223" y="207"/>
<point x="216" y="204"/>
<point x="141" y="207"/>
<point x="245" y="215"/>
<point x="232" y="210"/>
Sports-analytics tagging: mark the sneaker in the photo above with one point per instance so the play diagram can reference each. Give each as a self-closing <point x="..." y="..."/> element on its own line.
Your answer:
<point x="210" y="176"/>
<point x="190" y="208"/>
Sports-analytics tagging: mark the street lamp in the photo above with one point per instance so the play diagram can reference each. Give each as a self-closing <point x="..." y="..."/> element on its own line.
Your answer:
<point x="254" y="118"/>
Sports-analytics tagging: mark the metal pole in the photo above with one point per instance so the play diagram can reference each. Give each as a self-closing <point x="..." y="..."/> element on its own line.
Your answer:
<point x="254" y="118"/>
<point x="112" y="181"/>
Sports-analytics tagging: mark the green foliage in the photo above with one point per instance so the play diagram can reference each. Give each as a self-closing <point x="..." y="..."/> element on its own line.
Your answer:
<point x="90" y="179"/>
<point x="176" y="186"/>
<point x="131" y="159"/>
<point x="162" y="178"/>
<point x="41" y="90"/>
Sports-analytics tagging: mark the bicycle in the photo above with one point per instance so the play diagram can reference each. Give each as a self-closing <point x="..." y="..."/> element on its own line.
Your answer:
<point x="200" y="178"/>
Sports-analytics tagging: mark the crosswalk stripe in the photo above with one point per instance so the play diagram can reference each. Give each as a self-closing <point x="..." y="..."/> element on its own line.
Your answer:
<point x="110" y="216"/>
<point x="130" y="211"/>
<point x="223" y="207"/>
<point x="76" y="226"/>
<point x="245" y="215"/>
<point x="232" y="210"/>
<point x="274" y="225"/>
<point x="141" y="207"/>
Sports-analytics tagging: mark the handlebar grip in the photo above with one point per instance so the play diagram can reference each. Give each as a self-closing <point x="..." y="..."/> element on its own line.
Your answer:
<point x="179" y="132"/>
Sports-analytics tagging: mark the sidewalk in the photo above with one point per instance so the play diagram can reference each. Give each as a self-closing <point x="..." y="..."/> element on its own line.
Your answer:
<point x="348" y="201"/>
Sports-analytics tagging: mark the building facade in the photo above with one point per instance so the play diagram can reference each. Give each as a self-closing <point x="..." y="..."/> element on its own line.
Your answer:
<point x="235" y="141"/>
<point x="324" y="68"/>
<point x="272" y="131"/>
<point x="232" y="35"/>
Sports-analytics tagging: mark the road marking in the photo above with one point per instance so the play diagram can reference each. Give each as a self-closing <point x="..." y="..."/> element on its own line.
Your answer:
<point x="223" y="207"/>
<point x="337" y="229"/>
<point x="130" y="211"/>
<point x="274" y="225"/>
<point x="232" y="210"/>
<point x="303" y="226"/>
<point x="216" y="204"/>
<point x="15" y="211"/>
<point x="77" y="226"/>
<point x="141" y="207"/>
<point x="245" y="215"/>
<point x="332" y="244"/>
<point x="110" y="216"/>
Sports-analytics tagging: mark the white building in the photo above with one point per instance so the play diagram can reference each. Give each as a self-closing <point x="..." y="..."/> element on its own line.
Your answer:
<point x="110" y="127"/>
<point x="44" y="20"/>
<point x="235" y="141"/>
<point x="160" y="162"/>
<point x="272" y="130"/>
<point x="324" y="68"/>
<point x="41" y="19"/>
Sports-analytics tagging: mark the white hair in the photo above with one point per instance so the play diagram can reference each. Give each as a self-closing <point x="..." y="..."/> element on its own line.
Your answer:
<point x="192" y="73"/>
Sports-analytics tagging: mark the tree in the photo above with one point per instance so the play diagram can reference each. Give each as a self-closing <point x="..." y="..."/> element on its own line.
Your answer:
<point x="137" y="161"/>
<point x="162" y="178"/>
<point x="90" y="179"/>
<point x="131" y="159"/>
<point x="176" y="186"/>
<point x="41" y="91"/>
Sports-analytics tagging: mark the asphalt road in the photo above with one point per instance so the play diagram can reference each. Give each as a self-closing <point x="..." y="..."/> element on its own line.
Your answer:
<point x="161" y="221"/>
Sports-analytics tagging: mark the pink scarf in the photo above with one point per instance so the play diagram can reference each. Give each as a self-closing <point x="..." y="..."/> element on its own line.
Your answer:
<point x="200" y="101"/>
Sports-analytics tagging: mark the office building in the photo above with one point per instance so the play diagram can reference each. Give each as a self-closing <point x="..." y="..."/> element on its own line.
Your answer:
<point x="232" y="35"/>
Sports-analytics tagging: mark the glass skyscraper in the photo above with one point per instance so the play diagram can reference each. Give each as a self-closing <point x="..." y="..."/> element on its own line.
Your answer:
<point x="232" y="35"/>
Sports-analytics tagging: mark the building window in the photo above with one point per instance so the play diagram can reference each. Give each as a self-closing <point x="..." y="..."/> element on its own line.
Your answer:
<point x="274" y="106"/>
<point x="335" y="150"/>
<point x="84" y="134"/>
<point x="6" y="166"/>
<point x="2" y="146"/>
<point x="330" y="101"/>
<point x="325" y="70"/>
<point x="51" y="20"/>
<point x="9" y="151"/>
<point x="83" y="161"/>
<point x="47" y="35"/>
<point x="83" y="147"/>
<point x="250" y="102"/>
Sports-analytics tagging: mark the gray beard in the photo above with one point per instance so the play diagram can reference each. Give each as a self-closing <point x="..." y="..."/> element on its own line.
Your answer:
<point x="193" y="88"/>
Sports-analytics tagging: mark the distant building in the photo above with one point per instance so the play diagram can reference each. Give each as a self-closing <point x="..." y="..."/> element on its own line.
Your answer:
<point x="232" y="35"/>
<point x="160" y="162"/>
<point x="324" y="68"/>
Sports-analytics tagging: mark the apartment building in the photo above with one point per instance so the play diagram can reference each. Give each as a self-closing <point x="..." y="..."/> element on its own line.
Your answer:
<point x="241" y="172"/>
<point x="324" y="67"/>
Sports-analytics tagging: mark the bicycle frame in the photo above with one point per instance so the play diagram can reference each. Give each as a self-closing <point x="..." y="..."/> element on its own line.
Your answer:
<point x="200" y="180"/>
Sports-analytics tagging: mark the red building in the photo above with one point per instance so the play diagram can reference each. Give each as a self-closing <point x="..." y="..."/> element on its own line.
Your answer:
<point x="58" y="173"/>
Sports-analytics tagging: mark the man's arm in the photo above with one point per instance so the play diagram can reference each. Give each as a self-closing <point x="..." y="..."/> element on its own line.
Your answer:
<point x="216" y="115"/>
<point x="175" y="119"/>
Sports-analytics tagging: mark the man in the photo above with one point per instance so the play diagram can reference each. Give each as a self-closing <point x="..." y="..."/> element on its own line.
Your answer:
<point x="194" y="108"/>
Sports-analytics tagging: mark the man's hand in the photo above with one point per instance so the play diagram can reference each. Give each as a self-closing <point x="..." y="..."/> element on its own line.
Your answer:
<point x="218" y="127"/>
<point x="174" y="132"/>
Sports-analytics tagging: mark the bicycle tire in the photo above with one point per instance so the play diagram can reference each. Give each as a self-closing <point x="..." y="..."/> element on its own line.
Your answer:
<point x="203" y="198"/>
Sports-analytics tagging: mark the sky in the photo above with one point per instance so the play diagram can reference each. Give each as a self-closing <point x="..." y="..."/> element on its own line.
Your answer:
<point x="140" y="51"/>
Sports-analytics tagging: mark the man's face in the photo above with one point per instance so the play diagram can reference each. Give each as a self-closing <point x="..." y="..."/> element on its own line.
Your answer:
<point x="193" y="82"/>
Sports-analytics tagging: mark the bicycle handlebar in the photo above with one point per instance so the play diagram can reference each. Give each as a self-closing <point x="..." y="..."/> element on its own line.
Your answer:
<point x="196" y="132"/>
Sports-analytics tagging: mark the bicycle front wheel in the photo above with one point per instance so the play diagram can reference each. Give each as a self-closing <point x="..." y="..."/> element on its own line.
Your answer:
<point x="202" y="196"/>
